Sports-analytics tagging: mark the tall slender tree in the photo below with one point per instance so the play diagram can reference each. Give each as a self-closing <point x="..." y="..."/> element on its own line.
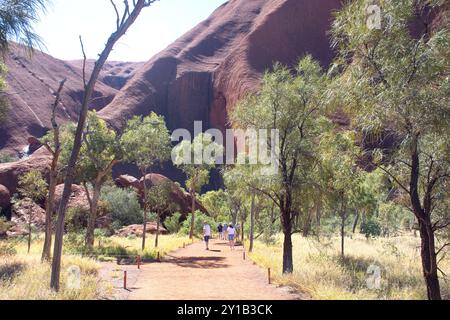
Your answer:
<point x="293" y="105"/>
<point x="196" y="158"/>
<point x="123" y="23"/>
<point x="146" y="142"/>
<point x="398" y="78"/>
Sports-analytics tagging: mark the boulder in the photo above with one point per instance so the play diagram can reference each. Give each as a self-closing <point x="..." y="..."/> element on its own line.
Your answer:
<point x="137" y="230"/>
<point x="180" y="197"/>
<point x="10" y="172"/>
<point x="5" y="197"/>
<point x="22" y="211"/>
<point x="78" y="198"/>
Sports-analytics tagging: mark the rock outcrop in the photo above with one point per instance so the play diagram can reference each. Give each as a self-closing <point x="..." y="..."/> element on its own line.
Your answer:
<point x="204" y="73"/>
<point x="32" y="84"/>
<point x="5" y="197"/>
<point x="10" y="172"/>
<point x="138" y="230"/>
<point x="78" y="197"/>
<point x="26" y="209"/>
<point x="181" y="198"/>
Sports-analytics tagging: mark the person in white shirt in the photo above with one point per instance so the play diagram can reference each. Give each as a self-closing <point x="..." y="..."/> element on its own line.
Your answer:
<point x="231" y="234"/>
<point x="206" y="234"/>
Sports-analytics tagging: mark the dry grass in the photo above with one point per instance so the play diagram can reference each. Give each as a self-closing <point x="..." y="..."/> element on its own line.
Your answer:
<point x="24" y="277"/>
<point x="320" y="272"/>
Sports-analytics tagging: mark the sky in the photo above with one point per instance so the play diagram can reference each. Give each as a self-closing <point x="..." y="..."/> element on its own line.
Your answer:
<point x="156" y="28"/>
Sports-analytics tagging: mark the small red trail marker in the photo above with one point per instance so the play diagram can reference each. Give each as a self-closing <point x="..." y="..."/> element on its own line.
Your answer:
<point x="138" y="259"/>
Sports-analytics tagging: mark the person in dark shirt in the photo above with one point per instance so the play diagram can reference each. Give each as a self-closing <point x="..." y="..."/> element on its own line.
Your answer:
<point x="220" y="231"/>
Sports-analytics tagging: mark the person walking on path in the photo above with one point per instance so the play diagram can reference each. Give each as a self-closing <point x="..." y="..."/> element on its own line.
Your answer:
<point x="206" y="234"/>
<point x="231" y="234"/>
<point x="220" y="231"/>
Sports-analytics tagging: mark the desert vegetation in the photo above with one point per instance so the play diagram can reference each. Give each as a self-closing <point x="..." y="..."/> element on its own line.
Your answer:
<point x="357" y="206"/>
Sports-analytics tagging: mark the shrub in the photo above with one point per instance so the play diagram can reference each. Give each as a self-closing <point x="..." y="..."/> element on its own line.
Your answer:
<point x="5" y="158"/>
<point x="371" y="229"/>
<point x="173" y="223"/>
<point x="123" y="205"/>
<point x="76" y="219"/>
<point x="200" y="218"/>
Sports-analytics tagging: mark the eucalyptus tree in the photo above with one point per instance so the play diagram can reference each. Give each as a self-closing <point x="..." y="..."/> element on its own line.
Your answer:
<point x="146" y="142"/>
<point x="399" y="79"/>
<point x="101" y="150"/>
<point x="32" y="186"/>
<point x="52" y="142"/>
<point x="293" y="104"/>
<point x="17" y="20"/>
<point x="161" y="202"/>
<point x="123" y="23"/>
<point x="196" y="158"/>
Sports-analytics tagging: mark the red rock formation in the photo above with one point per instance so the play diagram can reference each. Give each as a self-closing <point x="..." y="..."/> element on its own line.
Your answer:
<point x="22" y="212"/>
<point x="180" y="197"/>
<point x="204" y="73"/>
<point x="137" y="230"/>
<point x="10" y="172"/>
<point x="78" y="198"/>
<point x="32" y="83"/>
<point x="5" y="197"/>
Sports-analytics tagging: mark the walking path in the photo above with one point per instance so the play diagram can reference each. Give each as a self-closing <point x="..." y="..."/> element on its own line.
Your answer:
<point x="196" y="274"/>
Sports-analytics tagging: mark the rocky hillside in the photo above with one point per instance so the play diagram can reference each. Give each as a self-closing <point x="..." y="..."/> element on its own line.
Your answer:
<point x="204" y="73"/>
<point x="32" y="82"/>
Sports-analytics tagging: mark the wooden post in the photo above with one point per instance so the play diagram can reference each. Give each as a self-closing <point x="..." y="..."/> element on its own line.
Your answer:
<point x="125" y="280"/>
<point x="184" y="245"/>
<point x="269" y="277"/>
<point x="244" y="254"/>
<point x="158" y="258"/>
<point x="138" y="259"/>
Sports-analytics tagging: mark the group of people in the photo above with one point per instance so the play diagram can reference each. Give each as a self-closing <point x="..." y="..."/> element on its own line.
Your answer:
<point x="225" y="232"/>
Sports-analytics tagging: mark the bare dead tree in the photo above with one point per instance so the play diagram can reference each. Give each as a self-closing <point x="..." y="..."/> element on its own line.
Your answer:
<point x="55" y="152"/>
<point x="124" y="22"/>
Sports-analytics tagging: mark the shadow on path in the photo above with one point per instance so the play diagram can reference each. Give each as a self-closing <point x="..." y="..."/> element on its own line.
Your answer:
<point x="198" y="262"/>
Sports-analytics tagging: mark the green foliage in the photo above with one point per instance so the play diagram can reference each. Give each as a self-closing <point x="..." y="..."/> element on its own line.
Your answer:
<point x="173" y="223"/>
<point x="123" y="205"/>
<point x="197" y="158"/>
<point x="159" y="198"/>
<point x="17" y="21"/>
<point x="100" y="150"/>
<point x="371" y="228"/>
<point x="76" y="219"/>
<point x="146" y="141"/>
<point x="5" y="226"/>
<point x="3" y="101"/>
<point x="200" y="218"/>
<point x="32" y="185"/>
<point x="5" y="157"/>
<point x="216" y="203"/>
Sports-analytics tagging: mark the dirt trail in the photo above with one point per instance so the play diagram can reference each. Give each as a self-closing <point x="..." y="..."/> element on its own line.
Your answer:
<point x="196" y="274"/>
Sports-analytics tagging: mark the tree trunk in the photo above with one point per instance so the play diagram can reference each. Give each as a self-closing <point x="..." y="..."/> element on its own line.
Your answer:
<point x="122" y="28"/>
<point x="355" y="223"/>
<point x="90" y="236"/>
<point x="191" y="232"/>
<point x="144" y="223"/>
<point x="46" y="251"/>
<point x="428" y="248"/>
<point x="29" y="232"/>
<point x="252" y="223"/>
<point x="288" y="263"/>
<point x="342" y="235"/>
<point x="429" y="263"/>
<point x="307" y="224"/>
<point x="50" y="201"/>
<point x="157" y="231"/>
